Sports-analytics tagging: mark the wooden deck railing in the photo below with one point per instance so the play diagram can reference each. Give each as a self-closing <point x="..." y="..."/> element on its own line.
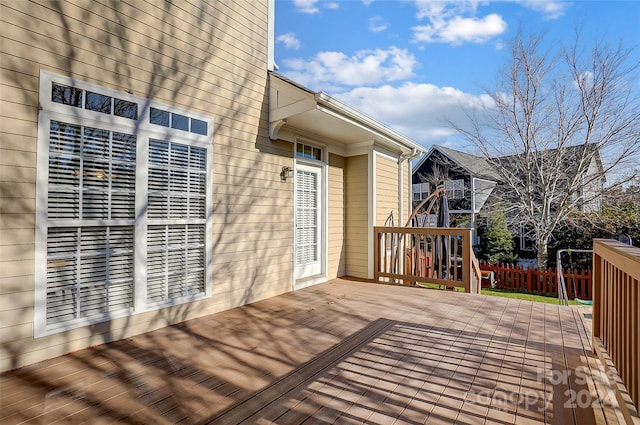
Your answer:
<point x="616" y="317"/>
<point x="441" y="256"/>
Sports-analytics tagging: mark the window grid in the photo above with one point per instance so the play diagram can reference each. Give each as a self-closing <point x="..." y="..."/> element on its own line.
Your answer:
<point x="308" y="152"/>
<point x="177" y="121"/>
<point x="454" y="188"/>
<point x="88" y="268"/>
<point x="420" y="191"/>
<point x="92" y="101"/>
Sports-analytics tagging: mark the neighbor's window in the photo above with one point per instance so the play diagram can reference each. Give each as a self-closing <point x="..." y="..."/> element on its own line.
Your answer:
<point x="454" y="188"/>
<point x="420" y="191"/>
<point x="120" y="232"/>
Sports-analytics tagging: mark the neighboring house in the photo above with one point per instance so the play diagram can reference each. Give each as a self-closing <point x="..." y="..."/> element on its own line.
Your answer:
<point x="471" y="180"/>
<point x="468" y="180"/>
<point x="154" y="169"/>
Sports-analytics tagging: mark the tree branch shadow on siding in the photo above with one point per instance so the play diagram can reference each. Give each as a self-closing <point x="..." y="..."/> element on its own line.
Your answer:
<point x="111" y="46"/>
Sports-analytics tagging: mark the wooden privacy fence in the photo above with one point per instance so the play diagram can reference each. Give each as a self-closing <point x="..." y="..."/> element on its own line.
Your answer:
<point x="616" y="318"/>
<point x="425" y="254"/>
<point x="545" y="281"/>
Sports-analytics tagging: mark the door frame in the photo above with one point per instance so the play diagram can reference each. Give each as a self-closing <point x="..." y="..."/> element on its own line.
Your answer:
<point x="321" y="167"/>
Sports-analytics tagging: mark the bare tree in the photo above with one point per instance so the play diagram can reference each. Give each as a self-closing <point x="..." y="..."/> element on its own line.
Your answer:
<point x="561" y="121"/>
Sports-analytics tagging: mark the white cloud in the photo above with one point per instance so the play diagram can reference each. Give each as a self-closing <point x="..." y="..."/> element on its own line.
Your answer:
<point x="458" y="30"/>
<point x="311" y="6"/>
<point x="377" y="24"/>
<point x="418" y="111"/>
<point x="551" y="9"/>
<point x="455" y="22"/>
<point x="334" y="69"/>
<point x="585" y="81"/>
<point x="306" y="6"/>
<point x="439" y="10"/>
<point x="289" y="40"/>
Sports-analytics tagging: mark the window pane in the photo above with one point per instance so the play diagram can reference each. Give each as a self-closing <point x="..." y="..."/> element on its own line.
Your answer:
<point x="179" y="122"/>
<point x="98" y="102"/>
<point x="66" y="95"/>
<point x="89" y="272"/>
<point x="198" y="127"/>
<point x="125" y="109"/>
<point x="159" y="117"/>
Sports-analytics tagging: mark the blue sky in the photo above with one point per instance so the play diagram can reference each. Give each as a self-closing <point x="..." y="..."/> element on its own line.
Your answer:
<point x="410" y="63"/>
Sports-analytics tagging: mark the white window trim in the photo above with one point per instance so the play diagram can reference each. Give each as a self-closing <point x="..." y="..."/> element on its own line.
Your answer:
<point x="144" y="131"/>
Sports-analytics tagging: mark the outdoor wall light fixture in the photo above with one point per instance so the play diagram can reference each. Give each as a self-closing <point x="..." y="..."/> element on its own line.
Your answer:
<point x="286" y="173"/>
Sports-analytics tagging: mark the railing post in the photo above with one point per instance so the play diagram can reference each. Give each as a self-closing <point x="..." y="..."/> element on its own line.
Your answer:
<point x="376" y="253"/>
<point x="466" y="260"/>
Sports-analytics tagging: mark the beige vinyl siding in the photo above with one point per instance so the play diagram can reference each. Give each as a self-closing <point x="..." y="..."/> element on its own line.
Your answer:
<point x="209" y="58"/>
<point x="336" y="221"/>
<point x="357" y="222"/>
<point x="386" y="190"/>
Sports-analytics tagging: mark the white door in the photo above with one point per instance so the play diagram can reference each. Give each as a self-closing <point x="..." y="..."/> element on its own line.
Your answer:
<point x="308" y="221"/>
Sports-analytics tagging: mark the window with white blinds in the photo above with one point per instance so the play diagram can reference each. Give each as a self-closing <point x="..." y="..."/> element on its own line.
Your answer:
<point x="123" y="208"/>
<point x="177" y="190"/>
<point x="89" y="267"/>
<point x="306" y="217"/>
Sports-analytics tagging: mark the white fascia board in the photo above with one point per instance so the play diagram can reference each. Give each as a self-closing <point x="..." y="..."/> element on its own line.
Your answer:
<point x="329" y="104"/>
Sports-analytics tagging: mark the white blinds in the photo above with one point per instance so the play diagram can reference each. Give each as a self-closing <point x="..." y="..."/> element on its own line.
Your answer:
<point x="91" y="176"/>
<point x="91" y="173"/>
<point x="306" y="217"/>
<point x="176" y="213"/>
<point x="89" y="268"/>
<point x="177" y="177"/>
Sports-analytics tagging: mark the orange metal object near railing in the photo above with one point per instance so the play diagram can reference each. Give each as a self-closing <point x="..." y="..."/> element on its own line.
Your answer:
<point x="436" y="255"/>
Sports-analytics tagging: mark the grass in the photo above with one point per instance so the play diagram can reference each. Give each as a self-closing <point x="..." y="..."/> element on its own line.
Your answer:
<point x="524" y="296"/>
<point x="518" y="295"/>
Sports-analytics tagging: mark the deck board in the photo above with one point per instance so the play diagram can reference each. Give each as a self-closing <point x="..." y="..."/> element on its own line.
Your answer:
<point x="341" y="352"/>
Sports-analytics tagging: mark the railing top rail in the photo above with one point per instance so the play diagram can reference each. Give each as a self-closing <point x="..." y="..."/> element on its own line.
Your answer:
<point x="455" y="231"/>
<point x="623" y="256"/>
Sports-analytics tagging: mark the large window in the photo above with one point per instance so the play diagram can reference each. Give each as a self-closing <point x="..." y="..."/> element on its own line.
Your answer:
<point x="123" y="208"/>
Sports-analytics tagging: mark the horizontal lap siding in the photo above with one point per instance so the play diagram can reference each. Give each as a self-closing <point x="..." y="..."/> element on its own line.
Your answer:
<point x="386" y="190"/>
<point x="357" y="224"/>
<point x="336" y="220"/>
<point x="206" y="57"/>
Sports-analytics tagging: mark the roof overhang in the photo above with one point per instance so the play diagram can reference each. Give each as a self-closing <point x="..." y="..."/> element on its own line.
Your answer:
<point x="296" y="110"/>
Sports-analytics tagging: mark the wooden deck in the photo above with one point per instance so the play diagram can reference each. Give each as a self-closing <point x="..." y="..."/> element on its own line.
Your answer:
<point x="342" y="352"/>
